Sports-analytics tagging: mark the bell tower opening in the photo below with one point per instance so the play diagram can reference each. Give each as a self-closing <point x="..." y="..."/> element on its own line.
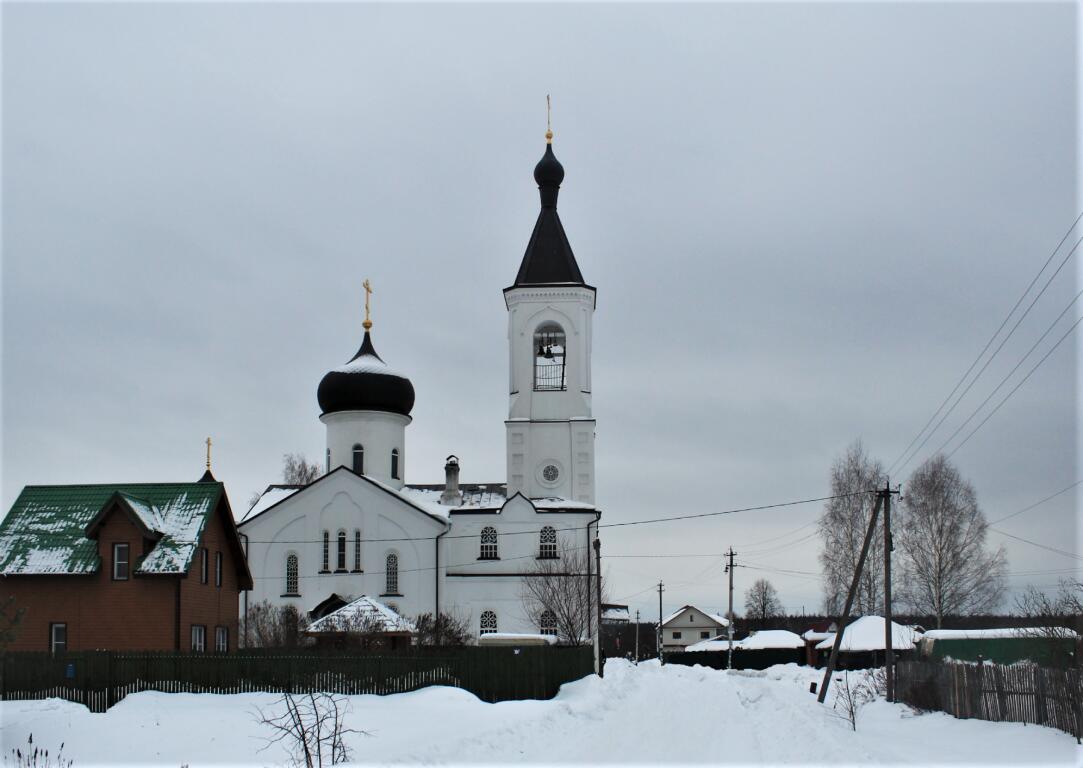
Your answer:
<point x="550" y="345"/>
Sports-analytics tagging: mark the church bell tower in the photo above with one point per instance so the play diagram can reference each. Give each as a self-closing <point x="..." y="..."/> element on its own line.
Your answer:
<point x="550" y="428"/>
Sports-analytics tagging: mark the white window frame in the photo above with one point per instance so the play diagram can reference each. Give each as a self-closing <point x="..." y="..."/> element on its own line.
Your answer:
<point x="127" y="561"/>
<point x="357" y="549"/>
<point x="547" y="543"/>
<point x="53" y="626"/>
<point x="199" y="638"/>
<point x="391" y="574"/>
<point x="340" y="552"/>
<point x="326" y="551"/>
<point x="221" y="639"/>
<point x="293" y="586"/>
<point x="489" y="544"/>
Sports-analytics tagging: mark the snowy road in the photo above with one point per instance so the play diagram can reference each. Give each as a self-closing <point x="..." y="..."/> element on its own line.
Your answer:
<point x="645" y="715"/>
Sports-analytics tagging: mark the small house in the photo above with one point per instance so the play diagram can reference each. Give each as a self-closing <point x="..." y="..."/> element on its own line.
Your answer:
<point x="689" y="625"/>
<point x="362" y="623"/>
<point x="864" y="642"/>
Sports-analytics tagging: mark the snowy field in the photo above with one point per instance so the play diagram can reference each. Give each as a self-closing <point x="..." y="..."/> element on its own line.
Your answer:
<point x="646" y="715"/>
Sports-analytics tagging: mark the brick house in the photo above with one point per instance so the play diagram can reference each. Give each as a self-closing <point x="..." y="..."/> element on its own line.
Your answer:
<point x="150" y="566"/>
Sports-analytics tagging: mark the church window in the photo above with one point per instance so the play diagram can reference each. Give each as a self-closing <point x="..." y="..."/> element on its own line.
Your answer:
<point x="548" y="543"/>
<point x="547" y="623"/>
<point x="326" y="551"/>
<point x="488" y="622"/>
<point x="341" y="561"/>
<point x="357" y="549"/>
<point x="391" y="574"/>
<point x="359" y="459"/>
<point x="549" y="349"/>
<point x="395" y="463"/>
<point x="488" y="543"/>
<point x="327" y="467"/>
<point x="291" y="574"/>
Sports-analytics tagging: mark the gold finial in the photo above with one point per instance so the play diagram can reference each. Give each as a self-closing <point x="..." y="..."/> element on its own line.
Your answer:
<point x="368" y="292"/>
<point x="208" y="453"/>
<point x="548" y="120"/>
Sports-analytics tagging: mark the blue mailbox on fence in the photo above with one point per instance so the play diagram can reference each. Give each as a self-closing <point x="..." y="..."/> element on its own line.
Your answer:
<point x="69" y="670"/>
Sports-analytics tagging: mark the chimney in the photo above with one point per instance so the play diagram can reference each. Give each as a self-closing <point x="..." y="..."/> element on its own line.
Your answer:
<point x="451" y="496"/>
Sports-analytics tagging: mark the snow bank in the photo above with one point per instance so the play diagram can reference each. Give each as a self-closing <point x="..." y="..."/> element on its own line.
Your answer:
<point x="772" y="638"/>
<point x="645" y="715"/>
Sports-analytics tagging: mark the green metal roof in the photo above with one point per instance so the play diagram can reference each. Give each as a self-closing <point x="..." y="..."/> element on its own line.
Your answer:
<point x="44" y="532"/>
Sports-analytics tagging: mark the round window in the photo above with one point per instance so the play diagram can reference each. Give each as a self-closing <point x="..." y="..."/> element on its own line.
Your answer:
<point x="551" y="473"/>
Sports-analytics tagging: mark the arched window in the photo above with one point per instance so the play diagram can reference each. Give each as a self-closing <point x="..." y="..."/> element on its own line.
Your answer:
<point x="488" y="543"/>
<point x="359" y="459"/>
<point x="549" y="348"/>
<point x="391" y="572"/>
<point x="357" y="549"/>
<point x="488" y="623"/>
<point x="326" y="551"/>
<point x="395" y="463"/>
<point x="547" y="548"/>
<point x="291" y="574"/>
<point x="341" y="562"/>
<point x="547" y="623"/>
<point x="327" y="469"/>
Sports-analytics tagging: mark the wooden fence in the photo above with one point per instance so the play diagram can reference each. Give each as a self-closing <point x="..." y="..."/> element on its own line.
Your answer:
<point x="99" y="679"/>
<point x="1020" y="693"/>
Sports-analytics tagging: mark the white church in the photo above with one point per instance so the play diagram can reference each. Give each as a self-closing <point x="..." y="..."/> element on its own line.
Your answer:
<point x="464" y="549"/>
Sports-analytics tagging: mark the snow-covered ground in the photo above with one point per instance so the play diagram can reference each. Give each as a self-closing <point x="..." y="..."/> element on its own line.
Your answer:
<point x="646" y="715"/>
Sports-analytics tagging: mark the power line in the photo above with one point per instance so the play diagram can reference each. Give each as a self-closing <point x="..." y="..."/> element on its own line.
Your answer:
<point x="987" y="344"/>
<point x="1010" y="373"/>
<point x="1037" y="503"/>
<point x="996" y="351"/>
<point x="1036" y="544"/>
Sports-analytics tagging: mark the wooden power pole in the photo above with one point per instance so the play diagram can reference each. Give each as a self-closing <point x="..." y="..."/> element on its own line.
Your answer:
<point x="841" y="628"/>
<point x="637" y="637"/>
<point x="658" y="634"/>
<point x="598" y="599"/>
<point x="729" y="616"/>
<point x="889" y="652"/>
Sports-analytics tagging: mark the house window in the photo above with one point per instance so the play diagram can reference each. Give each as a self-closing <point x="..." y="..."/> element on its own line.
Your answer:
<point x="121" y="559"/>
<point x="548" y="543"/>
<point x="488" y="622"/>
<point x="676" y="635"/>
<point x="217" y="569"/>
<point x="203" y="564"/>
<point x="357" y="549"/>
<point x="488" y="543"/>
<point x="221" y="639"/>
<point x="58" y="638"/>
<point x="341" y="551"/>
<point x="359" y="459"/>
<point x="704" y="635"/>
<point x="199" y="638"/>
<point x="547" y="623"/>
<point x="395" y="463"/>
<point x="549" y="347"/>
<point x="391" y="573"/>
<point x="326" y="551"/>
<point x="291" y="574"/>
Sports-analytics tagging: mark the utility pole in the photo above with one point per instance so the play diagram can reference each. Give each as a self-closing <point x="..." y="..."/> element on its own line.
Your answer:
<point x="598" y="615"/>
<point x="729" y="627"/>
<point x="889" y="651"/>
<point x="658" y="634"/>
<point x="849" y="601"/>
<point x="637" y="637"/>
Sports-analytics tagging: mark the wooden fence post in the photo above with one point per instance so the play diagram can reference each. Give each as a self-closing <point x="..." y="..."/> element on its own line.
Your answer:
<point x="1039" y="693"/>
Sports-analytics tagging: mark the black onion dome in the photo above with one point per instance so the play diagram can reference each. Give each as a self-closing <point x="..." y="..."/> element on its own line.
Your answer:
<point x="366" y="383"/>
<point x="549" y="173"/>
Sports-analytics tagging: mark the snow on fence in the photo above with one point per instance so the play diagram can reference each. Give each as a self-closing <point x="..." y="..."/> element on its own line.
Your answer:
<point x="99" y="679"/>
<point x="1020" y="693"/>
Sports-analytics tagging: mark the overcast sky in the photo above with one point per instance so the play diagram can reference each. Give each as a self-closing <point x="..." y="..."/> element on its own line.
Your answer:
<point x="803" y="222"/>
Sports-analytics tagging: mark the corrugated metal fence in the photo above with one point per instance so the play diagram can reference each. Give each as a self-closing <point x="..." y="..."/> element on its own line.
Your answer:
<point x="1020" y="693"/>
<point x="99" y="679"/>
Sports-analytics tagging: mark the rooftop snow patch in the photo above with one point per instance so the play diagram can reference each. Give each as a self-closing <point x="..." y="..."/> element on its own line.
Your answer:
<point x="363" y="614"/>
<point x="712" y="616"/>
<point x="867" y="634"/>
<point x="982" y="634"/>
<point x="270" y="497"/>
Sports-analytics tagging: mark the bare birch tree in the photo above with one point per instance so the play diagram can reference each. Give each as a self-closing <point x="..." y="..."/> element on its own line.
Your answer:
<point x="561" y="587"/>
<point x="842" y="530"/>
<point x="296" y="470"/>
<point x="761" y="602"/>
<point x="946" y="568"/>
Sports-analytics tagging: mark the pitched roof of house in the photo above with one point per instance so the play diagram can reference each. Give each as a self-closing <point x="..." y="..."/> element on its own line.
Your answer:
<point x="712" y="616"/>
<point x="48" y="529"/>
<point x="363" y="614"/>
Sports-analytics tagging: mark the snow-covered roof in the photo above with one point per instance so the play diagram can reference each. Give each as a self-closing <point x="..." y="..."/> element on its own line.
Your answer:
<point x="867" y="634"/>
<point x="814" y="636"/>
<point x="364" y="613"/>
<point x="270" y="497"/>
<point x="772" y="638"/>
<point x="369" y="363"/>
<point x="615" y="613"/>
<point x="511" y="638"/>
<point x="982" y="634"/>
<point x="45" y="532"/>
<point x="712" y="616"/>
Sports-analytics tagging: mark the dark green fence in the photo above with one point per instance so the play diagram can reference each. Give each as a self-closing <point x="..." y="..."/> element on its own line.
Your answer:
<point x="1020" y="693"/>
<point x="755" y="659"/>
<point x="99" y="679"/>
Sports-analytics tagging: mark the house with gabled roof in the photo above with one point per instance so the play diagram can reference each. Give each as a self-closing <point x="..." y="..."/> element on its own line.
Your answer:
<point x="140" y="566"/>
<point x="688" y="625"/>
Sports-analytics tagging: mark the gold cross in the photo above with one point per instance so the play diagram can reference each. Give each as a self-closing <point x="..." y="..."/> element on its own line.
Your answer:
<point x="548" y="120"/>
<point x="208" y="453"/>
<point x="368" y="292"/>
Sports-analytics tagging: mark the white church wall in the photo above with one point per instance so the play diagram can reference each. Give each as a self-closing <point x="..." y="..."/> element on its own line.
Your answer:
<point x="377" y="432"/>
